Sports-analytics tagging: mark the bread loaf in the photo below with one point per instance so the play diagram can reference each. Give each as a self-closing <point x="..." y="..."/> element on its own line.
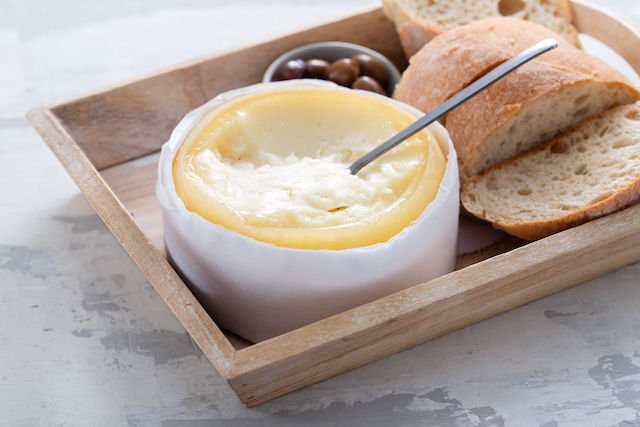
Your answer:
<point x="589" y="171"/>
<point x="418" y="21"/>
<point x="536" y="102"/>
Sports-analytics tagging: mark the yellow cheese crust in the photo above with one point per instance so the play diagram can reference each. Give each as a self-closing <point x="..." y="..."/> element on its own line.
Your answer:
<point x="273" y="166"/>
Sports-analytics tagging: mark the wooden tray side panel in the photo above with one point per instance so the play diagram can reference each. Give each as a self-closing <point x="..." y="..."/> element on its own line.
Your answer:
<point x="135" y="119"/>
<point x="284" y="364"/>
<point x="163" y="278"/>
<point x="615" y="31"/>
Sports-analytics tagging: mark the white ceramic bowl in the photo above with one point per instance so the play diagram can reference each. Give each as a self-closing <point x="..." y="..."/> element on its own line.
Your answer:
<point x="332" y="51"/>
<point x="259" y="291"/>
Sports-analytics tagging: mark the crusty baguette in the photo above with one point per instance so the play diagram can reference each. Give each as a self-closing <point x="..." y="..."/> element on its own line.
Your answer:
<point x="536" y="102"/>
<point x="419" y="21"/>
<point x="456" y="59"/>
<point x="590" y="171"/>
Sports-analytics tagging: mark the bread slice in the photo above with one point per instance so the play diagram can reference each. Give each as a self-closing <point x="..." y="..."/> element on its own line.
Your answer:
<point x="419" y="21"/>
<point x="589" y="171"/>
<point x="539" y="100"/>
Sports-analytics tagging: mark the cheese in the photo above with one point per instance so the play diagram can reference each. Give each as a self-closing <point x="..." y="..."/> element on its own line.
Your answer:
<point x="263" y="281"/>
<point x="273" y="166"/>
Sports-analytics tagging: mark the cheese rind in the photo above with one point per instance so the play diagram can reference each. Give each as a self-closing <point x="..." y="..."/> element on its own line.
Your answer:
<point x="258" y="290"/>
<point x="273" y="166"/>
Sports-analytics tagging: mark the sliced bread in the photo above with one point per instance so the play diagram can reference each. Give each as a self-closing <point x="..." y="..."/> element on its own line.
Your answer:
<point x="419" y="21"/>
<point x="536" y="102"/>
<point x="590" y="171"/>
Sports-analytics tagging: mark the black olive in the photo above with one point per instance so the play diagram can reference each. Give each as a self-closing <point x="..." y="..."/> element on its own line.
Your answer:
<point x="316" y="68"/>
<point x="367" y="83"/>
<point x="343" y="72"/>
<point x="294" y="69"/>
<point x="369" y="66"/>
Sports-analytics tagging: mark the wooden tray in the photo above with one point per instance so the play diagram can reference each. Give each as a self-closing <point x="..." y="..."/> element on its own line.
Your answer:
<point x="108" y="141"/>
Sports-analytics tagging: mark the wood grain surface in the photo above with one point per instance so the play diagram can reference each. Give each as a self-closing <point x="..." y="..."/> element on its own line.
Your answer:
<point x="132" y="120"/>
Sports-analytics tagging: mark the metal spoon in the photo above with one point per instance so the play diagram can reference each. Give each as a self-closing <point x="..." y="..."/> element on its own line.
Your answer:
<point x="462" y="96"/>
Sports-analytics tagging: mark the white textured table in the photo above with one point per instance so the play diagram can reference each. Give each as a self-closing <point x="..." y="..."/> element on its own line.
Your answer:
<point x="85" y="340"/>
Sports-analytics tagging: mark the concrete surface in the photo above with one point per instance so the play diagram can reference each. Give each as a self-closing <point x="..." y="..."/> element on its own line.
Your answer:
<point x="85" y="340"/>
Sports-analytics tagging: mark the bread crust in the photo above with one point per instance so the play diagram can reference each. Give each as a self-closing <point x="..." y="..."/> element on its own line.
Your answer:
<point x="412" y="31"/>
<point x="537" y="229"/>
<point x="415" y="31"/>
<point x="458" y="57"/>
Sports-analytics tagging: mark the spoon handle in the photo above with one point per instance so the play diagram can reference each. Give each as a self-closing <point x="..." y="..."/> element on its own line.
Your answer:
<point x="462" y="96"/>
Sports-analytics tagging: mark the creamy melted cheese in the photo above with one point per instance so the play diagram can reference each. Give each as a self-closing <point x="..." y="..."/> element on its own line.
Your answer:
<point x="274" y="166"/>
